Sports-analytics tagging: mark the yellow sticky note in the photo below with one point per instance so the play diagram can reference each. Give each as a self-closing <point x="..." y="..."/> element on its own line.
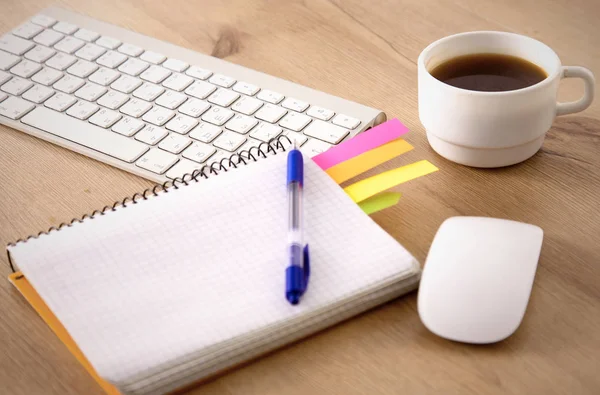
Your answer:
<point x="368" y="160"/>
<point x="379" y="202"/>
<point x="364" y="189"/>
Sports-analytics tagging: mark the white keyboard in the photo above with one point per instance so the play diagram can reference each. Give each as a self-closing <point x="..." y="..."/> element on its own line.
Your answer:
<point x="152" y="108"/>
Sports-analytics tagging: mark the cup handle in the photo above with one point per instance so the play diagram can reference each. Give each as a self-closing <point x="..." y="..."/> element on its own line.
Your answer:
<point x="588" y="92"/>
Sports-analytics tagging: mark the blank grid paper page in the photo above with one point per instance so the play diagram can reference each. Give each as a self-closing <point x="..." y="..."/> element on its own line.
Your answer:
<point x="166" y="280"/>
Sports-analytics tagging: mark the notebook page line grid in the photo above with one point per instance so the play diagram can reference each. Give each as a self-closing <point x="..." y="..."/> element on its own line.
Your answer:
<point x="167" y="285"/>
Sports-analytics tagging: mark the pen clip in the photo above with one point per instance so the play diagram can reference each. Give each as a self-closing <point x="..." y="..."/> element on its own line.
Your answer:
<point x="296" y="278"/>
<point x="306" y="268"/>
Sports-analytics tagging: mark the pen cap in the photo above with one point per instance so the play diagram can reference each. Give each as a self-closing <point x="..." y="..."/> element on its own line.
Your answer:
<point x="295" y="167"/>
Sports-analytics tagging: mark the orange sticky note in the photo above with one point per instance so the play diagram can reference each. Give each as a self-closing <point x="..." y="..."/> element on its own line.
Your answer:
<point x="368" y="160"/>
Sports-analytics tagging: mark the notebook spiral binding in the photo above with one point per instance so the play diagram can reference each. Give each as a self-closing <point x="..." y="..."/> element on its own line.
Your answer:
<point x="224" y="164"/>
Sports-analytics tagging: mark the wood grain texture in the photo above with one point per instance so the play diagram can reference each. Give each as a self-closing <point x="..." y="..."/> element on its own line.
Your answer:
<point x="366" y="52"/>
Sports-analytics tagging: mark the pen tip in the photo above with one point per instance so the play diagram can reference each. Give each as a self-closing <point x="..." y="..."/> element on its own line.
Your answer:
<point x="293" y="298"/>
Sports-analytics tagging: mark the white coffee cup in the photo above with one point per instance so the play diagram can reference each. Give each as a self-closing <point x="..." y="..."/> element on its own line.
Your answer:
<point x="493" y="129"/>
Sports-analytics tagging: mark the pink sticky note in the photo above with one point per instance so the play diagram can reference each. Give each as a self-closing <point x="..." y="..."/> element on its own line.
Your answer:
<point x="361" y="143"/>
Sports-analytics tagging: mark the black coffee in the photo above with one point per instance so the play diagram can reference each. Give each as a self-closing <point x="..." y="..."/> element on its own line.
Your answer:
<point x="489" y="72"/>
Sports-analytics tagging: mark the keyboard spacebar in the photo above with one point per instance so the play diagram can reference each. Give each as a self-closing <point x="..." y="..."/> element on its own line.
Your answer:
<point x="85" y="134"/>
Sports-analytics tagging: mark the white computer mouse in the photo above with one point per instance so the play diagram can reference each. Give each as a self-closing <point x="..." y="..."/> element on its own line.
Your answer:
<point x="477" y="278"/>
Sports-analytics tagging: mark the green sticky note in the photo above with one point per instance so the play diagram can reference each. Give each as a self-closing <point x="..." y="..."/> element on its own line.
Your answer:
<point x="379" y="202"/>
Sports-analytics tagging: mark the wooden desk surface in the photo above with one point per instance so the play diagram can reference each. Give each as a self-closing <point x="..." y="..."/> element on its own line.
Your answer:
<point x="366" y="53"/>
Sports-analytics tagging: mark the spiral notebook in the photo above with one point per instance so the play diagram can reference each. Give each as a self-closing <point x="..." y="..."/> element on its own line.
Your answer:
<point x="188" y="281"/>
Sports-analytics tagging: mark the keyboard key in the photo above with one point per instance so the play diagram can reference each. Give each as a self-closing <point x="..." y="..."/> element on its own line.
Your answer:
<point x="148" y="91"/>
<point x="241" y="124"/>
<point x="133" y="66"/>
<point x="15" y="45"/>
<point x="16" y="86"/>
<point x="270" y="113"/>
<point x="158" y="116"/>
<point x="175" y="65"/>
<point x="198" y="72"/>
<point x="7" y="60"/>
<point x="294" y="137"/>
<point x="151" y="134"/>
<point x="4" y="77"/>
<point x="108" y="42"/>
<point x="48" y="38"/>
<point x="69" y="44"/>
<point x="217" y="115"/>
<point x="248" y="145"/>
<point x="43" y="20"/>
<point x="223" y="97"/>
<point x="47" y="76"/>
<point x="65" y="28"/>
<point x="60" y="102"/>
<point x="61" y="61"/>
<point x="174" y="143"/>
<point x="38" y="94"/>
<point x="128" y="126"/>
<point x="200" y="89"/>
<point x="205" y="132"/>
<point x="111" y="59"/>
<point x="40" y="54"/>
<point x="265" y="132"/>
<point x="221" y="156"/>
<point x="86" y="35"/>
<point x="113" y="100"/>
<point x="157" y="161"/>
<point x="345" y="121"/>
<point x="229" y="141"/>
<point x="320" y="113"/>
<point x="105" y="118"/>
<point x="294" y="104"/>
<point x="136" y="108"/>
<point x="91" y="92"/>
<point x="199" y="152"/>
<point x="270" y="96"/>
<point x="314" y="148"/>
<point x="82" y="110"/>
<point x="85" y="134"/>
<point x="26" y="68"/>
<point x="181" y="124"/>
<point x="130" y="50"/>
<point x="171" y="100"/>
<point x="246" y="88"/>
<point x="152" y="57"/>
<point x="82" y="69"/>
<point x="222" y="80"/>
<point x="126" y="84"/>
<point x="178" y="82"/>
<point x="69" y="84"/>
<point x="3" y="96"/>
<point x="247" y="105"/>
<point x="104" y="76"/>
<point x="295" y="121"/>
<point x="90" y="52"/>
<point x="15" y="108"/>
<point x="181" y="168"/>
<point x="194" y="107"/>
<point x="155" y="74"/>
<point x="27" y="30"/>
<point x="325" y="131"/>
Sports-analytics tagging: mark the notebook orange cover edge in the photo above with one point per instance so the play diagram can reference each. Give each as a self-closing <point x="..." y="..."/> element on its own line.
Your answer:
<point x="31" y="295"/>
<point x="33" y="298"/>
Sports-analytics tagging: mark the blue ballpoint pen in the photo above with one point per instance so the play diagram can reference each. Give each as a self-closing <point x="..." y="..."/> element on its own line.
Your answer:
<point x="298" y="271"/>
